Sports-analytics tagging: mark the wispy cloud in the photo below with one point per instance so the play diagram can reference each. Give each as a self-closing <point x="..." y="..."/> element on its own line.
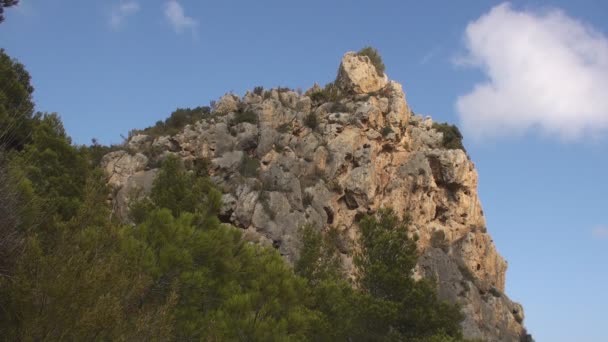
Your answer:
<point x="600" y="232"/>
<point x="427" y="57"/>
<point x="120" y="13"/>
<point x="175" y="14"/>
<point x="545" y="70"/>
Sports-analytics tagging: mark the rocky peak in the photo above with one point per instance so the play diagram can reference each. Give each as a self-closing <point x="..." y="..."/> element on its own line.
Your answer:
<point x="324" y="158"/>
<point x="358" y="75"/>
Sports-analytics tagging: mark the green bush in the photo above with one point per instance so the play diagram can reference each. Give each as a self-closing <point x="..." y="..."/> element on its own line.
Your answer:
<point x="330" y="93"/>
<point x="259" y="90"/>
<point x="339" y="107"/>
<point x="310" y="120"/>
<point x="318" y="96"/>
<point x="175" y="122"/>
<point x="307" y="199"/>
<point x="374" y="57"/>
<point x="279" y="148"/>
<point x="386" y="130"/>
<point x="245" y="116"/>
<point x="466" y="273"/>
<point x="249" y="166"/>
<point x="452" y="138"/>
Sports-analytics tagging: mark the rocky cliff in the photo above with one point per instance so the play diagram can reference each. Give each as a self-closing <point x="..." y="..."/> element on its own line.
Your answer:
<point x="326" y="157"/>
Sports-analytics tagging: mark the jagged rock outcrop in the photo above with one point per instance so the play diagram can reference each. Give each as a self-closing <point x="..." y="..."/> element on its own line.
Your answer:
<point x="358" y="75"/>
<point x="364" y="151"/>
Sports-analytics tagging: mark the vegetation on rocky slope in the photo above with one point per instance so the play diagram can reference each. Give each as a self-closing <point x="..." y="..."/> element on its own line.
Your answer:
<point x="176" y="272"/>
<point x="374" y="57"/>
<point x="452" y="138"/>
<point x="175" y="122"/>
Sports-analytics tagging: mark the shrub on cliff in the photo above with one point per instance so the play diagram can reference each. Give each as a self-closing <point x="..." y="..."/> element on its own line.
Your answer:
<point x="311" y="121"/>
<point x="374" y="57"/>
<point x="249" y="167"/>
<point x="452" y="138"/>
<point x="175" y="122"/>
<point x="329" y="93"/>
<point x="245" y="116"/>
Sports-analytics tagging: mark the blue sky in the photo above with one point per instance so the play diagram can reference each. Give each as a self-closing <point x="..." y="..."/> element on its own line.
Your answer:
<point x="525" y="81"/>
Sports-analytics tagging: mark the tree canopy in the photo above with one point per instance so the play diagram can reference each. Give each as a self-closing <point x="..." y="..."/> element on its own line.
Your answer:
<point x="16" y="106"/>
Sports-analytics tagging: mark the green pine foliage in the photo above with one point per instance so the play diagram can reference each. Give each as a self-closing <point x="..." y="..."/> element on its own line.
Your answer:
<point x="318" y="259"/>
<point x="385" y="264"/>
<point x="72" y="279"/>
<point x="386" y="304"/>
<point x="16" y="105"/>
<point x="227" y="288"/>
<point x="180" y="190"/>
<point x="56" y="169"/>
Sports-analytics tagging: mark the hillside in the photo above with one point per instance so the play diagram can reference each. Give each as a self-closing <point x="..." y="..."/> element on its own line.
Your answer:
<point x="327" y="158"/>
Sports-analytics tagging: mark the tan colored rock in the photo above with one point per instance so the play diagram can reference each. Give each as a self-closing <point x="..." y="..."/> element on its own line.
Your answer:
<point x="478" y="253"/>
<point x="358" y="75"/>
<point x="227" y="104"/>
<point x="399" y="112"/>
<point x="136" y="186"/>
<point x="304" y="104"/>
<point x="289" y="99"/>
<point x="120" y="165"/>
<point x="139" y="141"/>
<point x="272" y="113"/>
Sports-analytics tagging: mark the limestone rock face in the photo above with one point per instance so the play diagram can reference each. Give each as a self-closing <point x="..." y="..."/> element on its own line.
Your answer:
<point x="120" y="165"/>
<point x="137" y="185"/>
<point x="358" y="74"/>
<point x="227" y="104"/>
<point x="367" y="152"/>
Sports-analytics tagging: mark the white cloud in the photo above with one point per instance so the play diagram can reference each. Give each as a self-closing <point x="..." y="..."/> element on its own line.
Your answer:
<point x="600" y="232"/>
<point x="121" y="12"/>
<point x="178" y="19"/>
<point x="545" y="70"/>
